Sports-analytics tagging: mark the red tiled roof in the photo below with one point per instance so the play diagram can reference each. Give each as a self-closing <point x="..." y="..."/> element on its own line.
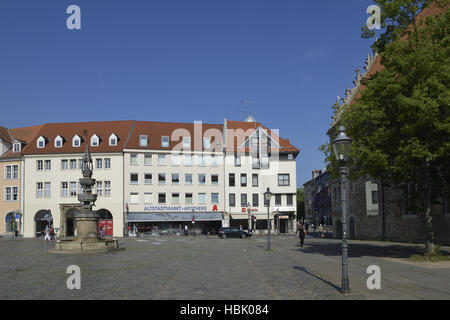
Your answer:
<point x="24" y="135"/>
<point x="68" y="130"/>
<point x="4" y="135"/>
<point x="175" y="131"/>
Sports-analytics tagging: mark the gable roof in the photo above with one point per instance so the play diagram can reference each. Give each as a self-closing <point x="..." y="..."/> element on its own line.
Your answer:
<point x="373" y="66"/>
<point x="24" y="135"/>
<point x="69" y="130"/>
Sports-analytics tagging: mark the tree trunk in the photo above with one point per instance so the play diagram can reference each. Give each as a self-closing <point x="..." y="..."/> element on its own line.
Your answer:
<point x="430" y="233"/>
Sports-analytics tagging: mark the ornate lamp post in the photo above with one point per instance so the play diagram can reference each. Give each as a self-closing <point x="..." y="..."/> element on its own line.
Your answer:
<point x="267" y="196"/>
<point x="341" y="146"/>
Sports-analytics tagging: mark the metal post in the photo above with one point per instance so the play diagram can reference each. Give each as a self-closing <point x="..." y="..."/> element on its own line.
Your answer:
<point x="268" y="226"/>
<point x="345" y="281"/>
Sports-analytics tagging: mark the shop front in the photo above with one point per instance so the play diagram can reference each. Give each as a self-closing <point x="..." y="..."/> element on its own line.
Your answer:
<point x="169" y="223"/>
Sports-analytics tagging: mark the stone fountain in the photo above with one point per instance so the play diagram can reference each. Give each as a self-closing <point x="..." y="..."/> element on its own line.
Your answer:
<point x="86" y="239"/>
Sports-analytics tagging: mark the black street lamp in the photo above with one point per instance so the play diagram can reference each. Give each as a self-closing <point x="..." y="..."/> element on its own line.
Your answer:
<point x="341" y="146"/>
<point x="267" y="196"/>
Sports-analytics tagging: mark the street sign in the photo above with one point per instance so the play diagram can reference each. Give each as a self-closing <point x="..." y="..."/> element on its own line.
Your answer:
<point x="8" y="219"/>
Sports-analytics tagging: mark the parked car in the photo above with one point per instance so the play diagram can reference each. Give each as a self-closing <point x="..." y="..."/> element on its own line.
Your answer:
<point x="232" y="233"/>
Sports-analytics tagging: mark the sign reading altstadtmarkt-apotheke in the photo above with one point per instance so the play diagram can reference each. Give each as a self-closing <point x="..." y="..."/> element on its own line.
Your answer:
<point x="174" y="208"/>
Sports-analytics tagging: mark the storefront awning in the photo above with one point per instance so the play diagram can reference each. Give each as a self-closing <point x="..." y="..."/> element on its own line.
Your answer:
<point x="173" y="216"/>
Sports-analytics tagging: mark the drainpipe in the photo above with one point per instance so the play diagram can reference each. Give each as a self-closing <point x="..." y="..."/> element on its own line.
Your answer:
<point x="22" y="195"/>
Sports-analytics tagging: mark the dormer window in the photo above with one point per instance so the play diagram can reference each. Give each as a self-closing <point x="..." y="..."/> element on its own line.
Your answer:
<point x="17" y="146"/>
<point x="95" y="140"/>
<point x="41" y="142"/>
<point x="143" y="141"/>
<point x="164" y="141"/>
<point x="113" y="139"/>
<point x="58" y="142"/>
<point x="76" y="141"/>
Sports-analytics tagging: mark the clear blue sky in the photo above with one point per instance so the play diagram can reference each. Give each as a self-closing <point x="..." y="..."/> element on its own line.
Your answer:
<point x="183" y="60"/>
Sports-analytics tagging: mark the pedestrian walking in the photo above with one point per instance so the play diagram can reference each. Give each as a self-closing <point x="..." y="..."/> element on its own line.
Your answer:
<point x="240" y="228"/>
<point x="47" y="234"/>
<point x="102" y="231"/>
<point x="301" y="234"/>
<point x="185" y="230"/>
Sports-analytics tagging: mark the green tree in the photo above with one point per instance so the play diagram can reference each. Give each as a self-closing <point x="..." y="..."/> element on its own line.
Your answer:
<point x="300" y="203"/>
<point x="401" y="125"/>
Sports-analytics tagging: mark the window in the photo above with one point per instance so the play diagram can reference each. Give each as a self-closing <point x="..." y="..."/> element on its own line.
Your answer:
<point x="175" y="178"/>
<point x="283" y="180"/>
<point x="15" y="171"/>
<point x="278" y="200"/>
<point x="134" y="198"/>
<point x="255" y="198"/>
<point x="188" y="160"/>
<point x="256" y="163"/>
<point x="237" y="161"/>
<point x="80" y="164"/>
<point x="188" y="198"/>
<point x="8" y="172"/>
<point x="243" y="200"/>
<point x="201" y="178"/>
<point x="113" y="140"/>
<point x="47" y="187"/>
<point x="214" y="161"/>
<point x="134" y="159"/>
<point x="143" y="141"/>
<point x="161" y="178"/>
<point x="243" y="180"/>
<point x="202" y="198"/>
<point x="148" y="178"/>
<point x="215" y="179"/>
<point x="64" y="164"/>
<point x="188" y="178"/>
<point x="41" y="142"/>
<point x="148" y="159"/>
<point x="107" y="188"/>
<point x="375" y="197"/>
<point x="175" y="159"/>
<point x="187" y="142"/>
<point x="290" y="156"/>
<point x="95" y="141"/>
<point x="58" y="142"/>
<point x="39" y="189"/>
<point x="265" y="162"/>
<point x="148" y="198"/>
<point x="16" y="147"/>
<point x="254" y="180"/>
<point x="73" y="189"/>
<point x="64" y="189"/>
<point x="76" y="141"/>
<point x="207" y="143"/>
<point x="99" y="163"/>
<point x="39" y="165"/>
<point x="165" y="141"/>
<point x="290" y="200"/>
<point x="134" y="178"/>
<point x="11" y="193"/>
<point x="99" y="188"/>
<point x="232" y="200"/>
<point x="175" y="198"/>
<point x="231" y="180"/>
<point x="161" y="198"/>
<point x="201" y="160"/>
<point x="107" y="163"/>
<point x="48" y="165"/>
<point x="161" y="159"/>
<point x="214" y="198"/>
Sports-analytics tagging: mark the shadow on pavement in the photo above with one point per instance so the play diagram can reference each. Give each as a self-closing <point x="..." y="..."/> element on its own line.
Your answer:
<point x="317" y="277"/>
<point x="361" y="250"/>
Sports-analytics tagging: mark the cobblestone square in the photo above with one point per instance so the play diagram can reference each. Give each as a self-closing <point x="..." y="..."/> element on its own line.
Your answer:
<point x="172" y="268"/>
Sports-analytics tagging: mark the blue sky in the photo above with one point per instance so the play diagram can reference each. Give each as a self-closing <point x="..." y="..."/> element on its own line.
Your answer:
<point x="180" y="61"/>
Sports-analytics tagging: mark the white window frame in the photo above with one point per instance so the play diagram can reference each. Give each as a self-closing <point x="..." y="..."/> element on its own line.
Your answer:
<point x="17" y="147"/>
<point x="146" y="158"/>
<point x="76" y="138"/>
<point x="64" y="191"/>
<point x="39" y="165"/>
<point x="164" y="143"/>
<point x="66" y="162"/>
<point x="99" y="188"/>
<point x="107" y="162"/>
<point x="161" y="157"/>
<point x="39" y="191"/>
<point x="40" y="140"/>
<point x="134" y="198"/>
<point x="58" y="139"/>
<point x="187" y="142"/>
<point x="143" y="140"/>
<point x="95" y="141"/>
<point x="107" y="186"/>
<point x="136" y="157"/>
<point x="200" y="196"/>
<point x="148" y="198"/>
<point x="113" y="138"/>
